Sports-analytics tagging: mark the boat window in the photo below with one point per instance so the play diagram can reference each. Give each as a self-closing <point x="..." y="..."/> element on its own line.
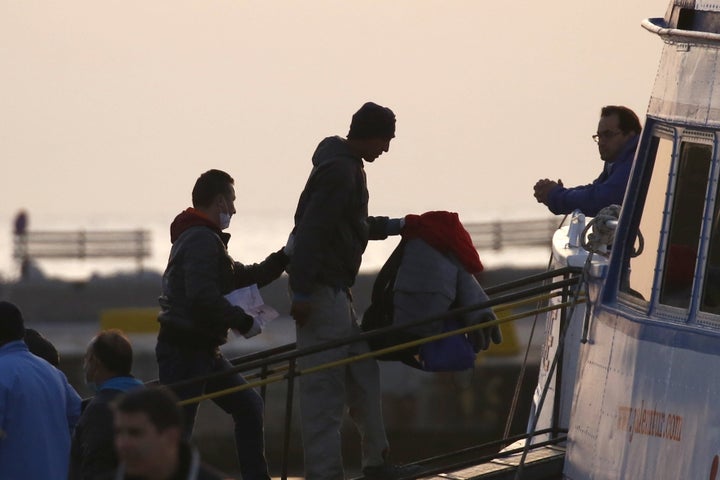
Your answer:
<point x="711" y="291"/>
<point x="685" y="224"/>
<point x="638" y="278"/>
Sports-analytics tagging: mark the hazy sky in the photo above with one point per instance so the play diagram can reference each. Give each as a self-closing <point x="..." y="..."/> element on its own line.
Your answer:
<point x="115" y="107"/>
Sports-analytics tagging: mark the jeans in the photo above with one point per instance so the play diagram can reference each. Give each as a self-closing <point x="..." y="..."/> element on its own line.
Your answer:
<point x="177" y="364"/>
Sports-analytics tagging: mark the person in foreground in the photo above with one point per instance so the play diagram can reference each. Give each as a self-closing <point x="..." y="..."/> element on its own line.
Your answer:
<point x="149" y="439"/>
<point x="38" y="407"/>
<point x="107" y="365"/>
<point x="41" y="346"/>
<point x="332" y="228"/>
<point x="617" y="137"/>
<point x="195" y="316"/>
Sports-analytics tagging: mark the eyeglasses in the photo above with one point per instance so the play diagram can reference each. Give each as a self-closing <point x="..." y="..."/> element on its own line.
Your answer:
<point x="606" y="135"/>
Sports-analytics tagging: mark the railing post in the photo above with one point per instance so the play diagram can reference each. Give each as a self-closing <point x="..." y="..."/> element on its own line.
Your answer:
<point x="263" y="376"/>
<point x="288" y="417"/>
<point x="139" y="248"/>
<point x="82" y="244"/>
<point x="497" y="236"/>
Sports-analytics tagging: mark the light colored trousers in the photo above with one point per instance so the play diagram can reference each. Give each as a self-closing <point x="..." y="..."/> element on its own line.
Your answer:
<point x="324" y="394"/>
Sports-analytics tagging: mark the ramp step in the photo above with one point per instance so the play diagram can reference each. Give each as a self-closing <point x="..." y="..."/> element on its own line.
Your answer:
<point x="544" y="463"/>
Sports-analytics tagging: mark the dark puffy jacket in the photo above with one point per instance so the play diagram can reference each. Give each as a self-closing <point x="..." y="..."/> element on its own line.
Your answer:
<point x="199" y="273"/>
<point x="93" y="450"/>
<point x="332" y="226"/>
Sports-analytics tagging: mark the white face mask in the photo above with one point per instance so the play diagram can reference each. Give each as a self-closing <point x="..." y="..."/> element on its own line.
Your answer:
<point x="224" y="220"/>
<point x="225" y="217"/>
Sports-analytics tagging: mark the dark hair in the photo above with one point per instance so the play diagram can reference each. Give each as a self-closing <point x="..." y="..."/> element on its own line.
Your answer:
<point x="627" y="120"/>
<point x="158" y="403"/>
<point x="12" y="325"/>
<point x="372" y="121"/>
<point x="41" y="347"/>
<point x="113" y="350"/>
<point x="209" y="185"/>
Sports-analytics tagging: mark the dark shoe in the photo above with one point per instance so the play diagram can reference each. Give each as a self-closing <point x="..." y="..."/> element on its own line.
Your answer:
<point x="387" y="471"/>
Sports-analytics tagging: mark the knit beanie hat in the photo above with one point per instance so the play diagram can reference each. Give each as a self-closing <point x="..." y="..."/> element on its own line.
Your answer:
<point x="372" y="121"/>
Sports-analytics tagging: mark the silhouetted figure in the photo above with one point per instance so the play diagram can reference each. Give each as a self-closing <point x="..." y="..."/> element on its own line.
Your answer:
<point x="332" y="229"/>
<point x="195" y="316"/>
<point x="21" y="223"/>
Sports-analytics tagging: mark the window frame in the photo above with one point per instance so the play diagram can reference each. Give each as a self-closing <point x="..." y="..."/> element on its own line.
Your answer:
<point x="652" y="306"/>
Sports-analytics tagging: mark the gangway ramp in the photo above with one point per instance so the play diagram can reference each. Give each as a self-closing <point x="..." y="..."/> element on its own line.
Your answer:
<point x="518" y="461"/>
<point x="487" y="461"/>
<point x="543" y="463"/>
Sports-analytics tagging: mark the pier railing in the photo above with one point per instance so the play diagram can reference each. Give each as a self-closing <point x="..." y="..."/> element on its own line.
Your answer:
<point x="82" y="244"/>
<point x="500" y="234"/>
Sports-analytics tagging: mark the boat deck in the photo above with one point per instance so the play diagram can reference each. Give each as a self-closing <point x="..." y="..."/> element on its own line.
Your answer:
<point x="544" y="463"/>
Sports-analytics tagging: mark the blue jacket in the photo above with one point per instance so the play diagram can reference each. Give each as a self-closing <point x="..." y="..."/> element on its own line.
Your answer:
<point x="607" y="189"/>
<point x="38" y="411"/>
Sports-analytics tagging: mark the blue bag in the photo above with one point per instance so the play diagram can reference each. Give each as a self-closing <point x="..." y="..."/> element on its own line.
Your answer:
<point x="449" y="354"/>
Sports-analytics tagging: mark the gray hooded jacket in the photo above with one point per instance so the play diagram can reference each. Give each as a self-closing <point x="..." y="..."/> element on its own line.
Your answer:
<point x="332" y="226"/>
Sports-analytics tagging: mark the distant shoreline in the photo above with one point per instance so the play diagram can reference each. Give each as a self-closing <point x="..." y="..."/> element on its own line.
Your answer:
<point x="60" y="301"/>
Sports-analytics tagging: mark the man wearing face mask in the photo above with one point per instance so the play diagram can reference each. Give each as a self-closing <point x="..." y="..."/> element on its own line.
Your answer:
<point x="107" y="364"/>
<point x="195" y="316"/>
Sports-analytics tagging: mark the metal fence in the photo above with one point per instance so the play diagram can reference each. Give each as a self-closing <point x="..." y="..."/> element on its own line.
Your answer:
<point x="82" y="244"/>
<point x="501" y="234"/>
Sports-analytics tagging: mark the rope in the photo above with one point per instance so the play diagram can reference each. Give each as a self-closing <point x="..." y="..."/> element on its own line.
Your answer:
<point x="603" y="233"/>
<point x="561" y="342"/>
<point x="523" y="366"/>
<point x="375" y="353"/>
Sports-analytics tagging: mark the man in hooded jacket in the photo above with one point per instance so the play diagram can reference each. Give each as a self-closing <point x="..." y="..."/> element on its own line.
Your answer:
<point x="332" y="228"/>
<point x="195" y="315"/>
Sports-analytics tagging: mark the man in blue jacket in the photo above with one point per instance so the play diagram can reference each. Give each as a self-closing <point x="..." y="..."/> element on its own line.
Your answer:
<point x="617" y="137"/>
<point x="38" y="408"/>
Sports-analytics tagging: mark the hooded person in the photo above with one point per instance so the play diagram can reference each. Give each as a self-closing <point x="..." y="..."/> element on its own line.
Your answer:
<point x="332" y="229"/>
<point x="195" y="316"/>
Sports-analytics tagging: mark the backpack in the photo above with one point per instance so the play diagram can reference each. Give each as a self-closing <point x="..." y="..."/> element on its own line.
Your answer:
<point x="452" y="353"/>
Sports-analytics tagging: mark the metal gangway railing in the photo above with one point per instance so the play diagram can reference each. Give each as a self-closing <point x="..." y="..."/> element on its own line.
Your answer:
<point x="279" y="364"/>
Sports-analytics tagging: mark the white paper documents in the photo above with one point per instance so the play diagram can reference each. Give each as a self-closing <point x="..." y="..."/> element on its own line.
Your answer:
<point x="250" y="300"/>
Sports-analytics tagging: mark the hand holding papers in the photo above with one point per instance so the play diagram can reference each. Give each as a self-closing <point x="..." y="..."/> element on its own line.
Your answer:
<point x="256" y="329"/>
<point x="250" y="300"/>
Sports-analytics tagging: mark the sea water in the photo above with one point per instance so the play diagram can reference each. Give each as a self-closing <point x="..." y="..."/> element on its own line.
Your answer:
<point x="254" y="236"/>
